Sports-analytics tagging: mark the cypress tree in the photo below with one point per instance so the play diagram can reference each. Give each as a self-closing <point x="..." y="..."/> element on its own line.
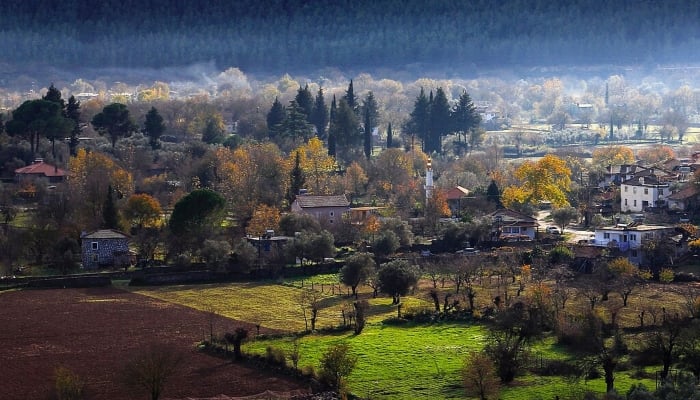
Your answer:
<point x="298" y="180"/>
<point x="109" y="211"/>
<point x="73" y="113"/>
<point x="464" y="116"/>
<point x="351" y="99"/>
<point x="493" y="194"/>
<point x="389" y="137"/>
<point x="319" y="115"/>
<point x="332" y="129"/>
<point x="368" y="134"/>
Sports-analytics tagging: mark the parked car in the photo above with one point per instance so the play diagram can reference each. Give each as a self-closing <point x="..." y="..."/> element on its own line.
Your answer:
<point x="468" y="251"/>
<point x="553" y="230"/>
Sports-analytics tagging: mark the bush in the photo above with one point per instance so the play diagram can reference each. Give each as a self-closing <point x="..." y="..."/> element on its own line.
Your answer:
<point x="276" y="356"/>
<point x="69" y="386"/>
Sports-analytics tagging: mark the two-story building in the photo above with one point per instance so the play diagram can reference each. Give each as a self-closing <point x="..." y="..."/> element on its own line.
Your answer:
<point x="643" y="191"/>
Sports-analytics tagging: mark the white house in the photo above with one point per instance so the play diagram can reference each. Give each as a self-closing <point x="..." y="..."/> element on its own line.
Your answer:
<point x="641" y="192"/>
<point x="628" y="238"/>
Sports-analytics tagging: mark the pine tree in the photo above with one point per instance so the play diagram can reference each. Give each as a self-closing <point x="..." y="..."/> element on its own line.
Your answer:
<point x="439" y="120"/>
<point x="73" y="113"/>
<point x="389" y="137"/>
<point x="153" y="127"/>
<point x="419" y="121"/>
<point x="319" y="115"/>
<point x="305" y="101"/>
<point x="347" y="132"/>
<point x="275" y="118"/>
<point x="464" y="116"/>
<point x="54" y="95"/>
<point x="351" y="99"/>
<point x="109" y="211"/>
<point x="295" y="126"/>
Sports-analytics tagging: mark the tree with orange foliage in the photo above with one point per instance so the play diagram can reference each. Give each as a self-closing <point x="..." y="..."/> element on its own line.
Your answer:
<point x="142" y="211"/>
<point x="91" y="173"/>
<point x="612" y="155"/>
<point x="316" y="164"/>
<point x="655" y="154"/>
<point x="264" y="218"/>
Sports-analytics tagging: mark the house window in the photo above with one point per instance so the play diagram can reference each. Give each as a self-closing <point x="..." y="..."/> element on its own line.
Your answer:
<point x="332" y="214"/>
<point x="606" y="235"/>
<point x="330" y="221"/>
<point x="634" y="253"/>
<point x="94" y="246"/>
<point x="625" y="189"/>
<point x="646" y="190"/>
<point x="625" y="201"/>
<point x="633" y="237"/>
<point x="95" y="258"/>
<point x="635" y="203"/>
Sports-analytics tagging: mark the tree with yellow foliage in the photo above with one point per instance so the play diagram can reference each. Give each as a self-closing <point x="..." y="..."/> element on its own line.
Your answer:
<point x="627" y="277"/>
<point x="612" y="155"/>
<point x="91" y="174"/>
<point x="264" y="218"/>
<point x="142" y="211"/>
<point x="548" y="179"/>
<point x="316" y="164"/>
<point x="355" y="180"/>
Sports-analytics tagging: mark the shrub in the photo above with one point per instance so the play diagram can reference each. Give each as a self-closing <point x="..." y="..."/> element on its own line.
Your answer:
<point x="274" y="355"/>
<point x="69" y="386"/>
<point x="666" y="275"/>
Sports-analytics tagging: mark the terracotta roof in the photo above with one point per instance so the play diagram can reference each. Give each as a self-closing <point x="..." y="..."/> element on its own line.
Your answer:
<point x="457" y="193"/>
<point x="41" y="168"/>
<point x="687" y="192"/>
<point x="308" y="201"/>
<point x="105" y="234"/>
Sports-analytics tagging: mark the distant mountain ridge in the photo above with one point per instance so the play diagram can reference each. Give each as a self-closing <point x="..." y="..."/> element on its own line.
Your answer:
<point x="298" y="35"/>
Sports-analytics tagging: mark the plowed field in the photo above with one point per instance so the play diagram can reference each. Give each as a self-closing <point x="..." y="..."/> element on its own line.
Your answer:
<point x="94" y="332"/>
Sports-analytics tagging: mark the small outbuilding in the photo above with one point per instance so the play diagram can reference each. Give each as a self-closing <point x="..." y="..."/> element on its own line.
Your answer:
<point x="105" y="248"/>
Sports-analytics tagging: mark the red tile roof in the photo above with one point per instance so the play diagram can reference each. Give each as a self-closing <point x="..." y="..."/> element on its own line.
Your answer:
<point x="41" y="168"/>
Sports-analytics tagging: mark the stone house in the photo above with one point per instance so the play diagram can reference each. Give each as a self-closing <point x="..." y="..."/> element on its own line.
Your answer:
<point x="327" y="210"/>
<point x="105" y="248"/>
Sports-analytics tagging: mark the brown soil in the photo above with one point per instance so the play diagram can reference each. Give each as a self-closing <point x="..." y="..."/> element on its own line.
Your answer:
<point x="95" y="332"/>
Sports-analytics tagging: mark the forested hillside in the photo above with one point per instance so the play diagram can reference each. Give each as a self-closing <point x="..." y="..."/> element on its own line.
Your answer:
<point x="300" y="35"/>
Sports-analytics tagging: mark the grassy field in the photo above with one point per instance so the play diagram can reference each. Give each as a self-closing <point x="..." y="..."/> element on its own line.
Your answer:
<point x="394" y="362"/>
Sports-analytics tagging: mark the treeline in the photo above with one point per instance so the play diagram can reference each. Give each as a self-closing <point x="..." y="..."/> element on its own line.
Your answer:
<point x="271" y="35"/>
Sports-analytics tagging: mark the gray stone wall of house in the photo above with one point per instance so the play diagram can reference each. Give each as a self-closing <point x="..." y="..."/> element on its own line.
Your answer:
<point x="108" y="252"/>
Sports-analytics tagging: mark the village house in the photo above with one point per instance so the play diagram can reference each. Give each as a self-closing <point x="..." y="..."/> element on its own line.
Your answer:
<point x="327" y="210"/>
<point x="40" y="169"/>
<point x="643" y="191"/>
<point x="628" y="239"/>
<point x="512" y="226"/>
<point x="105" y="248"/>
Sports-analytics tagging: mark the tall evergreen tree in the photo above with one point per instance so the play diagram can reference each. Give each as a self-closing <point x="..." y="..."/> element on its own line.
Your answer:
<point x="351" y="99"/>
<point x="110" y="217"/>
<point x="54" y="95"/>
<point x="2" y="125"/>
<point x="493" y="194"/>
<point x="439" y="120"/>
<point x="419" y="121"/>
<point x="319" y="115"/>
<point x="153" y="127"/>
<point x="275" y="118"/>
<point x="389" y="137"/>
<point x="295" y="126"/>
<point x="73" y="113"/>
<point x="347" y="132"/>
<point x="298" y="180"/>
<point x="370" y="105"/>
<point x="367" y="134"/>
<point x="332" y="129"/>
<point x="464" y="116"/>
<point x="115" y="121"/>
<point x="214" y="132"/>
<point x="305" y="100"/>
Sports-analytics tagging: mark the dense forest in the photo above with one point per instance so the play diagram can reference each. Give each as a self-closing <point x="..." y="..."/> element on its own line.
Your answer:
<point x="297" y="35"/>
